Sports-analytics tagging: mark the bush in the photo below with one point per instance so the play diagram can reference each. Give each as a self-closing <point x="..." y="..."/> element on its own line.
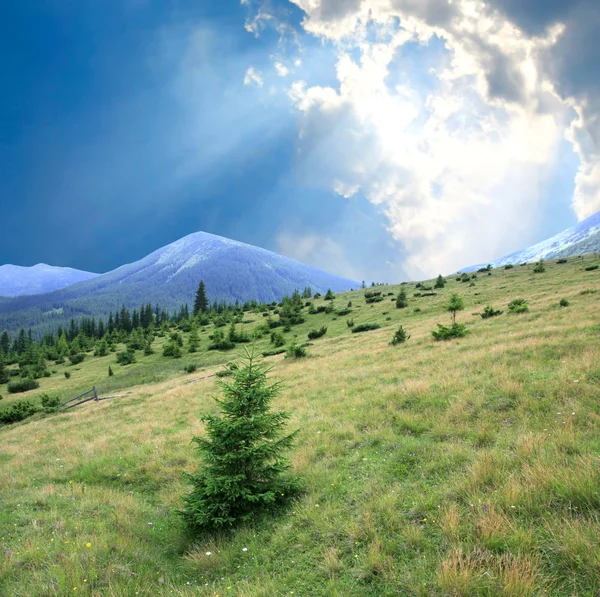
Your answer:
<point x="50" y="403"/>
<point x="456" y="330"/>
<point x="314" y="334"/>
<point x="101" y="349"/>
<point x="172" y="349"/>
<point x="77" y="358"/>
<point x="489" y="311"/>
<point x="272" y="353"/>
<point x="564" y="302"/>
<point x="350" y="323"/>
<point x="591" y="268"/>
<point x="244" y="449"/>
<point x="343" y="312"/>
<point x="126" y="357"/>
<point x="294" y="351"/>
<point x="561" y="261"/>
<point x="365" y="327"/>
<point x="110" y="371"/>
<point x="190" y="368"/>
<point x="67" y="375"/>
<point x="277" y="339"/>
<point x="400" y="336"/>
<point x="18" y="411"/>
<point x="148" y="350"/>
<point x="440" y="282"/>
<point x="539" y="268"/>
<point x="220" y="341"/>
<point x="22" y="385"/>
<point x="518" y="306"/>
<point x="374" y="299"/>
<point x="509" y="266"/>
<point x="329" y="296"/>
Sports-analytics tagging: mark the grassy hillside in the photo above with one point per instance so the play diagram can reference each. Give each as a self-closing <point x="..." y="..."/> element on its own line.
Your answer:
<point x="469" y="467"/>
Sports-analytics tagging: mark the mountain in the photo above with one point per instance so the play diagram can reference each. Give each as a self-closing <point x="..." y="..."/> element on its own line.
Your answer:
<point x="169" y="277"/>
<point x="577" y="240"/>
<point x="20" y="281"/>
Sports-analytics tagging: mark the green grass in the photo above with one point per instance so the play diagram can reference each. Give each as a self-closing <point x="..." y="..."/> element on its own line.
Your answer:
<point x="468" y="467"/>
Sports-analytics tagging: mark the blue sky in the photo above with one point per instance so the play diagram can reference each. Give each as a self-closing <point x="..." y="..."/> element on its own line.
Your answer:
<point x="368" y="146"/>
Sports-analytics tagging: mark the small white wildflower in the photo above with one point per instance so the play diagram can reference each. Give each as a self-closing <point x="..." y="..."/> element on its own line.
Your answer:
<point x="244" y="549"/>
<point x="209" y="553"/>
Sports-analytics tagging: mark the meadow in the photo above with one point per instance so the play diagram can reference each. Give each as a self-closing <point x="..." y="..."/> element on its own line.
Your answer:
<point x="460" y="468"/>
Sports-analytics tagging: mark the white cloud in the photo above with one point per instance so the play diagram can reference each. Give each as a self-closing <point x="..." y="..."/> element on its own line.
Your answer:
<point x="253" y="77"/>
<point x="460" y="170"/>
<point x="316" y="250"/>
<point x="281" y="69"/>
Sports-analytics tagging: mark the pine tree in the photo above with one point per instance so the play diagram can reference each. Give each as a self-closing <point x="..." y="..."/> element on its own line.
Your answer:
<point x="401" y="300"/>
<point x="200" y="302"/>
<point x="110" y="371"/>
<point x="455" y="304"/>
<point x="244" y="467"/>
<point x="440" y="282"/>
<point x="5" y="342"/>
<point x="3" y="372"/>
<point x="193" y="340"/>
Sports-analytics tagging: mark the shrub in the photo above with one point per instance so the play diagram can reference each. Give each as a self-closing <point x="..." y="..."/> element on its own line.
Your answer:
<point x="244" y="449"/>
<point x="314" y="334"/>
<point x="101" y="349"/>
<point x="148" y="350"/>
<point x="329" y="296"/>
<point x="220" y="342"/>
<point x="373" y="293"/>
<point x="518" y="306"/>
<point x="489" y="311"/>
<point x="440" y="282"/>
<point x="177" y="338"/>
<point x="22" y="385"/>
<point x="77" y="358"/>
<point x="272" y="353"/>
<point x="350" y="323"/>
<point x="365" y="327"/>
<point x="18" y="411"/>
<point x="456" y="330"/>
<point x="277" y="339"/>
<point x="50" y="403"/>
<point x="564" y="302"/>
<point x="126" y="357"/>
<point x="110" y="371"/>
<point x="400" y="336"/>
<point x="343" y="312"/>
<point x="539" y="268"/>
<point x="295" y="351"/>
<point x="374" y="299"/>
<point x="561" y="261"/>
<point x="588" y="291"/>
<point x="190" y="368"/>
<point x="67" y="375"/>
<point x="509" y="266"/>
<point x="591" y="268"/>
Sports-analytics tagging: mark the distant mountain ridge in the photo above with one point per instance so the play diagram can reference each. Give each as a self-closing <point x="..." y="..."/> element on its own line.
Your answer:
<point x="576" y="240"/>
<point x="169" y="277"/>
<point x="16" y="280"/>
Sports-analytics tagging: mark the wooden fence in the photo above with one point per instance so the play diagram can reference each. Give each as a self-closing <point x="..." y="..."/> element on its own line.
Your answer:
<point x="86" y="397"/>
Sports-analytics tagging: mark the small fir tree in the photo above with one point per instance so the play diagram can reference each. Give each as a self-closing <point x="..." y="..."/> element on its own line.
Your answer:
<point x="201" y="301"/>
<point x="110" y="371"/>
<point x="401" y="301"/>
<point x="3" y="372"/>
<point x="244" y="471"/>
<point x="455" y="304"/>
<point x="193" y="340"/>
<point x="440" y="282"/>
<point x="329" y="296"/>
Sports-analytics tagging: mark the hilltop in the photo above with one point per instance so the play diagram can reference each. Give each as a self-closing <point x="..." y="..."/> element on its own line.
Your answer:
<point x="16" y="280"/>
<point x="233" y="271"/>
<point x="467" y="467"/>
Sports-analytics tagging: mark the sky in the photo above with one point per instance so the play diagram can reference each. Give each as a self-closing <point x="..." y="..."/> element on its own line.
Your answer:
<point x="374" y="139"/>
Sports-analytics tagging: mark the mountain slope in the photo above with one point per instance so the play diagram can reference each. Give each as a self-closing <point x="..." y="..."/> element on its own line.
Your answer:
<point x="16" y="280"/>
<point x="170" y="276"/>
<point x="577" y="240"/>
